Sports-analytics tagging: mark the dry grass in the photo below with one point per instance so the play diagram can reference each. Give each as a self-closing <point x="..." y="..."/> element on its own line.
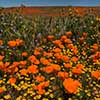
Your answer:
<point x="53" y="11"/>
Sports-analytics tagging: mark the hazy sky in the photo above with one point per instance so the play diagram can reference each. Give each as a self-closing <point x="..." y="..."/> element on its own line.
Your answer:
<point x="9" y="3"/>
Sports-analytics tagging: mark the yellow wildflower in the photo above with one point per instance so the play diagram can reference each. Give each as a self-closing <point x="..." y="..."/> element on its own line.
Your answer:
<point x="7" y="96"/>
<point x="60" y="98"/>
<point x="51" y="95"/>
<point x="45" y="99"/>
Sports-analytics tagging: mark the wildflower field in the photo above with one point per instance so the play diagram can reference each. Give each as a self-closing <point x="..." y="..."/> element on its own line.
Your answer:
<point x="49" y="58"/>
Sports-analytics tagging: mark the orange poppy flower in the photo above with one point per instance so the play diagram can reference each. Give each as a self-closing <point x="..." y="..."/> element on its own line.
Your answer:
<point x="24" y="54"/>
<point x="65" y="58"/>
<point x="80" y="66"/>
<point x="96" y="74"/>
<point x="12" y="69"/>
<point x="57" y="42"/>
<point x="1" y="58"/>
<point x="1" y="90"/>
<point x="63" y="75"/>
<point x="33" y="69"/>
<point x="58" y="55"/>
<point x="71" y="85"/>
<point x="36" y="52"/>
<point x="61" y="46"/>
<point x="77" y="71"/>
<point x="69" y="33"/>
<point x="46" y="84"/>
<point x="74" y="59"/>
<point x="39" y="48"/>
<point x="7" y="70"/>
<point x="1" y="42"/>
<point x="75" y="51"/>
<point x="19" y="42"/>
<point x="12" y="43"/>
<point x="1" y="65"/>
<point x="48" y="69"/>
<point x="55" y="67"/>
<point x="16" y="69"/>
<point x="68" y="41"/>
<point x="12" y="80"/>
<point x="70" y="46"/>
<point x="49" y="54"/>
<point x="23" y="63"/>
<point x="41" y="91"/>
<point x="40" y="78"/>
<point x="97" y="55"/>
<point x="33" y="59"/>
<point x="57" y="50"/>
<point x="63" y="38"/>
<point x="36" y="62"/>
<point x="67" y="65"/>
<point x="35" y="87"/>
<point x="95" y="47"/>
<point x="50" y="37"/>
<point x="44" y="61"/>
<point x="7" y="64"/>
<point x="23" y="71"/>
<point x="43" y="84"/>
<point x="15" y="64"/>
<point x="51" y="68"/>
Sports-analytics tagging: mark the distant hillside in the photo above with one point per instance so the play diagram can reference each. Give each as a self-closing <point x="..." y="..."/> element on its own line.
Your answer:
<point x="52" y="11"/>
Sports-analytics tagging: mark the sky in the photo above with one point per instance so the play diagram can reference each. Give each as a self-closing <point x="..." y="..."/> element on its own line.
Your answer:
<point x="11" y="3"/>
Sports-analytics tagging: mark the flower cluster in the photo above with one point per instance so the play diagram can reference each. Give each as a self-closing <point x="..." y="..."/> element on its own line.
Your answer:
<point x="62" y="67"/>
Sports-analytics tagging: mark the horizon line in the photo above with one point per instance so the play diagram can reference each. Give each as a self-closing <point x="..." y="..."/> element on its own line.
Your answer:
<point x="47" y="6"/>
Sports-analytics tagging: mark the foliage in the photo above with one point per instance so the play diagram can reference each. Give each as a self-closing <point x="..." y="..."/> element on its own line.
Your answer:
<point x="49" y="58"/>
